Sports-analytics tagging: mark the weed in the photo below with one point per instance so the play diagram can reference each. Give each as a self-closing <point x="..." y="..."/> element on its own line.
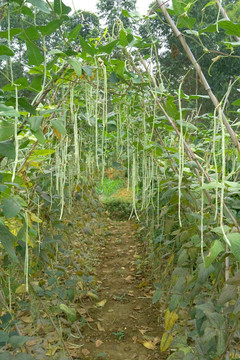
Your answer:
<point x="120" y="334"/>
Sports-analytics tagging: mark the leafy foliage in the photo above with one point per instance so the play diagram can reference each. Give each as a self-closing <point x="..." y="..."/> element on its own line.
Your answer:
<point x="71" y="104"/>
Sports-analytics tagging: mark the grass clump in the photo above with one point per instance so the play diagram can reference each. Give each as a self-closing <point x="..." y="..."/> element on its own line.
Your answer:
<point x="110" y="186"/>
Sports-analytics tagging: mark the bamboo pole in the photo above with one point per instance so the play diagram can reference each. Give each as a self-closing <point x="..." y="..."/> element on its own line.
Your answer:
<point x="201" y="75"/>
<point x="188" y="149"/>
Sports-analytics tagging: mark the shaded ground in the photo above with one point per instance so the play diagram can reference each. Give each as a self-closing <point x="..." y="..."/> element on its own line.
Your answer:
<point x="92" y="301"/>
<point x="123" y="324"/>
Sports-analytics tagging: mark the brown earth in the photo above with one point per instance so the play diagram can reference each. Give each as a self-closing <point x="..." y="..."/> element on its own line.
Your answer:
<point x="123" y="324"/>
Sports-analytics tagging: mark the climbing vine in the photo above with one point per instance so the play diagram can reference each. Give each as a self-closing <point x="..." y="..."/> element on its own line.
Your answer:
<point x="85" y="104"/>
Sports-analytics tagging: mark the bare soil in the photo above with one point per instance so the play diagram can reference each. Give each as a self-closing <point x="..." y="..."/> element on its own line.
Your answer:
<point x="123" y="324"/>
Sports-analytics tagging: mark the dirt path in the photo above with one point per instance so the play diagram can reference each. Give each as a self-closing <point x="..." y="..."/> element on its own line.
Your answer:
<point x="124" y="324"/>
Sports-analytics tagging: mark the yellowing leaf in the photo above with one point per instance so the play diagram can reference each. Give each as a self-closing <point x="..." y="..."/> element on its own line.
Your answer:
<point x="14" y="225"/>
<point x="80" y="285"/>
<point x="166" y="341"/>
<point x="35" y="218"/>
<point x="101" y="303"/>
<point x="57" y="133"/>
<point x="170" y="259"/>
<point x="21" y="289"/>
<point x="170" y="319"/>
<point x="149" y="345"/>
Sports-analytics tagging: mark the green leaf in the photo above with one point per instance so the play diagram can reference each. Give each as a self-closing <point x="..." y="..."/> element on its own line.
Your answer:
<point x="59" y="125"/>
<point x="6" y="130"/>
<point x="26" y="105"/>
<point x="6" y="51"/>
<point x="236" y="102"/>
<point x="23" y="356"/>
<point x="30" y="33"/>
<point x="171" y="108"/>
<point x="229" y="292"/>
<point x="60" y="8"/>
<point x="156" y="296"/>
<point x="235" y="280"/>
<point x="3" y="337"/>
<point x="76" y="66"/>
<point x="125" y="13"/>
<point x="113" y="79"/>
<point x="120" y="67"/>
<point x="35" y="122"/>
<point x="216" y="248"/>
<point x="35" y="57"/>
<point x="27" y="11"/>
<point x="8" y="111"/>
<point x="7" y="149"/>
<point x="13" y="32"/>
<point x="87" y="70"/>
<point x="71" y="313"/>
<point x="39" y="136"/>
<point x="6" y="356"/>
<point x="36" y="84"/>
<point x="21" y="83"/>
<point x="185" y="21"/>
<point x="41" y="5"/>
<point x="43" y="152"/>
<point x="87" y="47"/>
<point x="50" y="27"/>
<point x="8" y="239"/>
<point x="10" y="208"/>
<point x="221" y="340"/>
<point x="178" y="7"/>
<point x="211" y="28"/>
<point x="174" y="301"/>
<point x="109" y="47"/>
<point x="74" y="33"/>
<point x="18" y="341"/>
<point x="234" y="239"/>
<point x="123" y="38"/>
<point x="215" y="319"/>
<point x="230" y="27"/>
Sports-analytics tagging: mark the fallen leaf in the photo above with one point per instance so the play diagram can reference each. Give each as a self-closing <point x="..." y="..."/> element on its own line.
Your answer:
<point x="156" y="340"/>
<point x="27" y="319"/>
<point x="82" y="311"/>
<point x="135" y="339"/>
<point x="99" y="326"/>
<point x="143" y="284"/>
<point x="92" y="295"/>
<point x="89" y="319"/>
<point x="98" y="343"/>
<point x="85" y="352"/>
<point x="137" y="308"/>
<point x="142" y="331"/>
<point x="129" y="278"/>
<point x="101" y="303"/>
<point x="133" y="317"/>
<point x="149" y="345"/>
<point x="33" y="342"/>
